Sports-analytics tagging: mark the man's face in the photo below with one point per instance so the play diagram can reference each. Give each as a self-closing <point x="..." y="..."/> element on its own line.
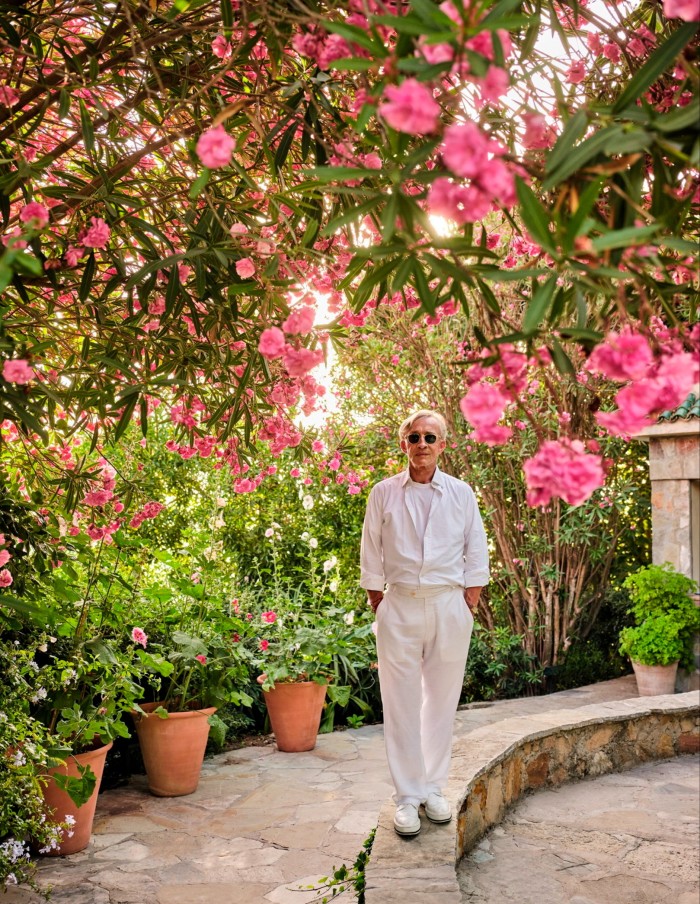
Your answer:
<point x="421" y="454"/>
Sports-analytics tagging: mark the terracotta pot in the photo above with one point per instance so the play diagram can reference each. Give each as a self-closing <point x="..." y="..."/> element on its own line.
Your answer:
<point x="59" y="804"/>
<point x="173" y="748"/>
<point x="655" y="679"/>
<point x="295" y="713"/>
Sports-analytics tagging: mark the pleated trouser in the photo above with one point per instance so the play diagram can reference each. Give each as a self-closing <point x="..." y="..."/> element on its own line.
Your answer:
<point x="422" y="645"/>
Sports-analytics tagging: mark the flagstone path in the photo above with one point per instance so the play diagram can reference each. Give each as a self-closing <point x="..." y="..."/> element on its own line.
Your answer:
<point x="261" y="825"/>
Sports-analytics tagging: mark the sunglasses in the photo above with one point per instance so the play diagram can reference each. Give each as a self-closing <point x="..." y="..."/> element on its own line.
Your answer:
<point x="414" y="438"/>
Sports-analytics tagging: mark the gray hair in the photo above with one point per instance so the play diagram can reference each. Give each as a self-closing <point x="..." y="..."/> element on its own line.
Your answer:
<point x="406" y="425"/>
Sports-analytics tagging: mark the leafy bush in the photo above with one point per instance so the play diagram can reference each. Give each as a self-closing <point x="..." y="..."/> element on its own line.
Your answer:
<point x="499" y="667"/>
<point x="666" y="617"/>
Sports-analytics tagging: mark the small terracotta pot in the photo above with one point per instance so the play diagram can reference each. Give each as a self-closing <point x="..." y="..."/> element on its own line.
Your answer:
<point x="59" y="804"/>
<point x="295" y="713"/>
<point x="653" y="680"/>
<point x="173" y="748"/>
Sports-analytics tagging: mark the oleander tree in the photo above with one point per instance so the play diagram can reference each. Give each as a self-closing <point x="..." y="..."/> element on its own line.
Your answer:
<point x="197" y="197"/>
<point x="551" y="565"/>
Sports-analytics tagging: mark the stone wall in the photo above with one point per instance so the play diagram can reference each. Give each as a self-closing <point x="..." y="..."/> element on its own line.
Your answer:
<point x="493" y="766"/>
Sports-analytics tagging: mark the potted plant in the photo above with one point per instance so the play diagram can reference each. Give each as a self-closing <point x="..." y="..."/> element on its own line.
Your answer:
<point x="24" y="756"/>
<point x="305" y="638"/>
<point x="666" y="620"/>
<point x="192" y="651"/>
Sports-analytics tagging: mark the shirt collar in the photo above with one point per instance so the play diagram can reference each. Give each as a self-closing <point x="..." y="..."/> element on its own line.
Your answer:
<point x="437" y="481"/>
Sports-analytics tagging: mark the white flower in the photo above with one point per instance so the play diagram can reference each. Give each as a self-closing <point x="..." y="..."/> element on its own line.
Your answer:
<point x="313" y="542"/>
<point x="305" y="536"/>
<point x="308" y="502"/>
<point x="270" y="532"/>
<point x="333" y="586"/>
<point x="349" y="618"/>
<point x="220" y="502"/>
<point x="329" y="563"/>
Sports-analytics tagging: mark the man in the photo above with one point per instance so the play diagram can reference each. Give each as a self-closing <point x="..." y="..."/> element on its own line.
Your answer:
<point x="424" y="541"/>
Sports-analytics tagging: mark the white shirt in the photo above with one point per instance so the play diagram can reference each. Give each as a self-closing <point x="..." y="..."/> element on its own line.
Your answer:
<point x="452" y="551"/>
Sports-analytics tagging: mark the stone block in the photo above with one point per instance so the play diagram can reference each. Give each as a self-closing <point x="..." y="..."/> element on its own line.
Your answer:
<point x="512" y="780"/>
<point x="537" y="770"/>
<point x="689" y="743"/>
<point x="600" y="737"/>
<point x="494" y="798"/>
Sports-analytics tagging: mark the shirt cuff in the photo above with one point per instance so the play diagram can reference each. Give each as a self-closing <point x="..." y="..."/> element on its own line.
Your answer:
<point x="476" y="578"/>
<point x="372" y="581"/>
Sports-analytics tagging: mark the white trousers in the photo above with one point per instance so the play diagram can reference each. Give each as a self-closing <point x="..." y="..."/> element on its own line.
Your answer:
<point x="422" y="645"/>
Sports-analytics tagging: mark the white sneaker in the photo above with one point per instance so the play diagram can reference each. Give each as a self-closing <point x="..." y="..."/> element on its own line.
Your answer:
<point x="406" y="820"/>
<point x="437" y="808"/>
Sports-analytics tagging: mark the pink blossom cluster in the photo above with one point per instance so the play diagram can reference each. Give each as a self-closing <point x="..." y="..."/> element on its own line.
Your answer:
<point x="562" y="468"/>
<point x="655" y="383"/>
<point x="138" y="635"/>
<point x="468" y="153"/>
<point x="323" y="48"/>
<point x="688" y="10"/>
<point x="410" y="107"/>
<point x="215" y="147"/>
<point x="96" y="235"/>
<point x="297" y="361"/>
<point x="149" y="510"/>
<point x="18" y="370"/>
<point x="5" y="556"/>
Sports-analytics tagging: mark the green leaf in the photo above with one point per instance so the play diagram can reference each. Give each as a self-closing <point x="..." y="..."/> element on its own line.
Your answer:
<point x="199" y="184"/>
<point x="535" y="216"/>
<point x="539" y="305"/>
<point x="584" y="153"/>
<point x="87" y="277"/>
<point x="679" y="119"/>
<point x="86" y="126"/>
<point x="355" y="35"/>
<point x="661" y="60"/>
<point x="339" y="694"/>
<point x="623" y="238"/>
<point x="574" y="130"/>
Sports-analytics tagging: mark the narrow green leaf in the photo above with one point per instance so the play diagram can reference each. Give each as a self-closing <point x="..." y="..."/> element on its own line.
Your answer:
<point x="583" y="154"/>
<point x="86" y="126"/>
<point x="126" y="416"/>
<point x="199" y="184"/>
<point x="355" y="35"/>
<point x="535" y="216"/>
<point x="562" y="362"/>
<point x="574" y="130"/>
<point x="539" y="305"/>
<point x="624" y="238"/>
<point x="86" y="281"/>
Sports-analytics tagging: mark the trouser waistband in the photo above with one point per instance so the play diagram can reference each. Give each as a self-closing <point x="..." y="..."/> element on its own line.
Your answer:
<point x="423" y="592"/>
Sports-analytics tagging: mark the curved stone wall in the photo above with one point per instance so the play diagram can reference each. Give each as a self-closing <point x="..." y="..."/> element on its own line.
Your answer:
<point x="493" y="766"/>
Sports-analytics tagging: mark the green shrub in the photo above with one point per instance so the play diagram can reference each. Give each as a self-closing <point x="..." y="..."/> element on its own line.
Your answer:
<point x="666" y="618"/>
<point x="499" y="667"/>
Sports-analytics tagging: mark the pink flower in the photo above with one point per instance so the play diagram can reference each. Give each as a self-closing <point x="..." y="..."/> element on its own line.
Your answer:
<point x="245" y="268"/>
<point x="537" y="133"/>
<point x="295" y="472"/>
<point x="97" y="235"/>
<point x="299" y="361"/>
<point x="410" y="107"/>
<point x="576" y="72"/>
<point x="300" y="321"/>
<point x="612" y="52"/>
<point x="622" y="356"/>
<point x="264" y="644"/>
<point x="4" y="557"/>
<point x="483" y="404"/>
<point x="17" y="371"/>
<point x="689" y="10"/>
<point x="492" y="434"/>
<point x="562" y="468"/>
<point x="97" y="497"/>
<point x="8" y="96"/>
<point x="353" y="490"/>
<point x="269" y="617"/>
<point x="495" y="84"/>
<point x="238" y="229"/>
<point x="317" y="445"/>
<point x="138" y="635"/>
<point x="465" y="149"/>
<point x="5" y="578"/>
<point x="200" y="657"/>
<point x="35" y="214"/>
<point x="215" y="147"/>
<point x="272" y="342"/>
<point x="220" y="47"/>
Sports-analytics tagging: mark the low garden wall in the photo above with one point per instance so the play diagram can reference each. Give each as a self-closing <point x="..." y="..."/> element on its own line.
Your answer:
<point x="495" y="765"/>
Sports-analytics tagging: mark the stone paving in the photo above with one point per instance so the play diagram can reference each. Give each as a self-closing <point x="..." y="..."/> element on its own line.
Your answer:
<point x="262" y="823"/>
<point x="629" y="838"/>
